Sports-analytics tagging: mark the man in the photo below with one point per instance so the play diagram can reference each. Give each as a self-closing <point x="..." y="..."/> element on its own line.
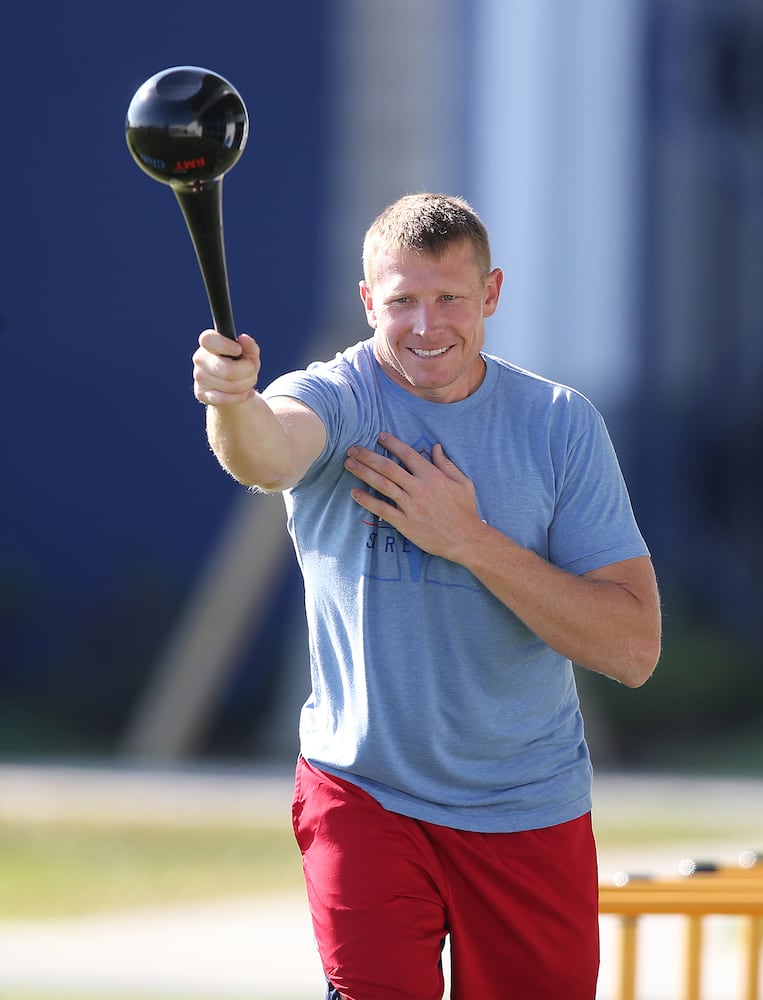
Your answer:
<point x="464" y="535"/>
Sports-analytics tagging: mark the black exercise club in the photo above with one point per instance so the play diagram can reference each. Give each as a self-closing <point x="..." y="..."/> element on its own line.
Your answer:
<point x="186" y="127"/>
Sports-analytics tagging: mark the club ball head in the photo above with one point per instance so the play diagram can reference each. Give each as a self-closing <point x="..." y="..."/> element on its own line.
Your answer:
<point x="186" y="127"/>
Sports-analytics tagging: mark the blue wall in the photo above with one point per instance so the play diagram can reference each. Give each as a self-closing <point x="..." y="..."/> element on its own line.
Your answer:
<point x="111" y="499"/>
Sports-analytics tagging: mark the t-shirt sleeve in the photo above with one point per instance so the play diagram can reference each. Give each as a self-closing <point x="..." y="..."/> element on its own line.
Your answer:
<point x="335" y="398"/>
<point x="593" y="523"/>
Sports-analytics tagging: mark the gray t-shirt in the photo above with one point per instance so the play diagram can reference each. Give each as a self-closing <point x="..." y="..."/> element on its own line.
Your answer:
<point x="426" y="690"/>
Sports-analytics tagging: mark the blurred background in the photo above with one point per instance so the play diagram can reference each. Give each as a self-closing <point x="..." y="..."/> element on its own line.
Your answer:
<point x="150" y="608"/>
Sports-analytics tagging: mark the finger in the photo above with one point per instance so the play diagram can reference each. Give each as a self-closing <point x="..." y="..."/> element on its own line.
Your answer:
<point x="249" y="347"/>
<point x="219" y="380"/>
<point x="215" y="343"/>
<point x="384" y="466"/>
<point x="373" y="469"/>
<point x="375" y="505"/>
<point x="411" y="458"/>
<point x="211" y="397"/>
<point x="239" y="369"/>
<point x="209" y="382"/>
<point x="217" y="385"/>
<point x="445" y="465"/>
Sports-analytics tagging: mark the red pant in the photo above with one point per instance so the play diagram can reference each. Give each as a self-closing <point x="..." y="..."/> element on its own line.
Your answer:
<point x="385" y="890"/>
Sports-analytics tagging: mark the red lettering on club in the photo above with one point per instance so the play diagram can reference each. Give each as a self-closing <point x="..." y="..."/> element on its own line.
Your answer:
<point x="182" y="165"/>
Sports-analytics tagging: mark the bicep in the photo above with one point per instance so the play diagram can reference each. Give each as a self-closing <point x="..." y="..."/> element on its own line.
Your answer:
<point x="305" y="433"/>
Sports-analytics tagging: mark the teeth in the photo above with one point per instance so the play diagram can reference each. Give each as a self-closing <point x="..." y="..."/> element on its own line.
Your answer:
<point x="429" y="354"/>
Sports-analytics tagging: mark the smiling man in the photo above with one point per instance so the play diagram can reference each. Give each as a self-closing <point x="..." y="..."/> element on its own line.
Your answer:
<point x="465" y="536"/>
<point x="428" y="312"/>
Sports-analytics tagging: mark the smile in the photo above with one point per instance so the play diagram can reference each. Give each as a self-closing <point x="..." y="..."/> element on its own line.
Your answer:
<point x="429" y="354"/>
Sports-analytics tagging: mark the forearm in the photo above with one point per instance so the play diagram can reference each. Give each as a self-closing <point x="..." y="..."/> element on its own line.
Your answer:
<point x="596" y="620"/>
<point x="269" y="444"/>
<point x="607" y="620"/>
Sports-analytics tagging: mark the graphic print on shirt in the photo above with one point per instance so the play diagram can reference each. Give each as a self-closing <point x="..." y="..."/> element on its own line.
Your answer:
<point x="393" y="558"/>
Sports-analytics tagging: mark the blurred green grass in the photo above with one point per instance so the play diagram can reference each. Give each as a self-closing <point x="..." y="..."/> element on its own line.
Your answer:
<point x="652" y="830"/>
<point x="79" y="995"/>
<point x="67" y="868"/>
<point x="61" y="869"/>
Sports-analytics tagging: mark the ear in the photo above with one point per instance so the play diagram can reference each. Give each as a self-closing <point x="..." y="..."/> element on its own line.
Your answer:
<point x="368" y="302"/>
<point x="492" y="292"/>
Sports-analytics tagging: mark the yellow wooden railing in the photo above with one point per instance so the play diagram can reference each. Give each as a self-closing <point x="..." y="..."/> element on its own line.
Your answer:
<point x="697" y="892"/>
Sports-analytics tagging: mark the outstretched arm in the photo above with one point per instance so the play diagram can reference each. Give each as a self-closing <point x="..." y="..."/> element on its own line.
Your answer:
<point x="607" y="620"/>
<point x="265" y="444"/>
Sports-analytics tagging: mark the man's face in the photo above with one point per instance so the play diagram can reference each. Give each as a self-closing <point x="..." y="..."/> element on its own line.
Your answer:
<point x="428" y="317"/>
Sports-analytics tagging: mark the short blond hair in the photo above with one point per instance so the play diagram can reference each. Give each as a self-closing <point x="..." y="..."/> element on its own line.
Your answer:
<point x="426" y="223"/>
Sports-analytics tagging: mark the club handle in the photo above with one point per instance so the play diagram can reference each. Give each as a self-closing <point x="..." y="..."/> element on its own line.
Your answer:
<point x="202" y="209"/>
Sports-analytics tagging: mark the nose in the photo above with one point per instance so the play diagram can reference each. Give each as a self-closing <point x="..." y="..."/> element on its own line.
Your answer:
<point x="424" y="319"/>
